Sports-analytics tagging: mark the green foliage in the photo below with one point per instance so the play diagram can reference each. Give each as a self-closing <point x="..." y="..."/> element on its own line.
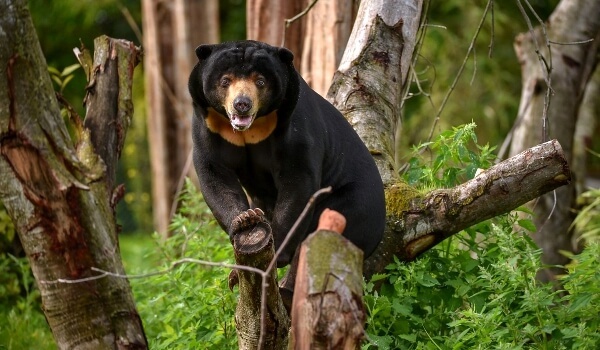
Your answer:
<point x="452" y="159"/>
<point x="587" y="221"/>
<point x="7" y="230"/>
<point x="190" y="307"/>
<point x="63" y="78"/>
<point x="22" y="323"/>
<point x="478" y="289"/>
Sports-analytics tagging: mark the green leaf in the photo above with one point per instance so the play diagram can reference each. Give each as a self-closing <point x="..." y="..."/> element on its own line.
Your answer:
<point x="53" y="71"/>
<point x="527" y="224"/>
<point x="70" y="69"/>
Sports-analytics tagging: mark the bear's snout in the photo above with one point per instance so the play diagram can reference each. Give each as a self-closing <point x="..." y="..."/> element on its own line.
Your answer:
<point x="242" y="104"/>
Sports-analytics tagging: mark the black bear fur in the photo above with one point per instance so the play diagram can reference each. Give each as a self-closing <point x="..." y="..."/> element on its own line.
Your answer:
<point x="260" y="131"/>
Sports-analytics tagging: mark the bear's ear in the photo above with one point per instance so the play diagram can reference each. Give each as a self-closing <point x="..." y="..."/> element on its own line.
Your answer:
<point x="285" y="55"/>
<point x="203" y="51"/>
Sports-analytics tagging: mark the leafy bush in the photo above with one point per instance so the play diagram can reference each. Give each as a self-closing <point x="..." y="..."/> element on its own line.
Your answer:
<point x="477" y="290"/>
<point x="452" y="158"/>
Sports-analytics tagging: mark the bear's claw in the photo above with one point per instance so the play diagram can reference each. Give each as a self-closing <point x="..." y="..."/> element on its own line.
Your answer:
<point x="247" y="219"/>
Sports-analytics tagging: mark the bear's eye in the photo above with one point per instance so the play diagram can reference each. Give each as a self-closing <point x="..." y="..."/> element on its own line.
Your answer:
<point x="260" y="82"/>
<point x="225" y="82"/>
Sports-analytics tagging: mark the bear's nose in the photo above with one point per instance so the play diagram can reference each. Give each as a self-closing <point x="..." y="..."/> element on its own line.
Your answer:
<point x="242" y="104"/>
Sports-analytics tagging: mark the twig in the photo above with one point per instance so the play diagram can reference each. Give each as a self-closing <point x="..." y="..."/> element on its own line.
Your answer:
<point x="288" y="21"/>
<point x="460" y="70"/>
<point x="581" y="42"/>
<point x="546" y="64"/>
<point x="492" y="34"/>
<point x="174" y="264"/>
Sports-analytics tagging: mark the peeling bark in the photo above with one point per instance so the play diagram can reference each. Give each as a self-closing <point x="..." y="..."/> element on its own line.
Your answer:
<point x="367" y="88"/>
<point x="57" y="194"/>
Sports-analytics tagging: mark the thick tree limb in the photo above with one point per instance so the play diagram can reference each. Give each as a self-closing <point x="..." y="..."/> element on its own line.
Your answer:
<point x="418" y="222"/>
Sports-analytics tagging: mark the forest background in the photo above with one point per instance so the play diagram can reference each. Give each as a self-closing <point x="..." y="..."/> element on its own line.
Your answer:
<point x="487" y="94"/>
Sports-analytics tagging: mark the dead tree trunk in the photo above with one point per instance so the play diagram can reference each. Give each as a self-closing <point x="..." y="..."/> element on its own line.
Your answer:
<point x="571" y="67"/>
<point x="374" y="68"/>
<point x="172" y="30"/>
<point x="60" y="196"/>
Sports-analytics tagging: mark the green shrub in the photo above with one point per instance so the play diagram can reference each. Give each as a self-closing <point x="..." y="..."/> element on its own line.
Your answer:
<point x="477" y="290"/>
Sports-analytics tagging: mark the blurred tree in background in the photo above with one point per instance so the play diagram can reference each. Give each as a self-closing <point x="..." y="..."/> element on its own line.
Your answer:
<point x="488" y="90"/>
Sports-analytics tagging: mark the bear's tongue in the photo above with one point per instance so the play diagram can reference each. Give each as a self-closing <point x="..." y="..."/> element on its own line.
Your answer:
<point x="241" y="122"/>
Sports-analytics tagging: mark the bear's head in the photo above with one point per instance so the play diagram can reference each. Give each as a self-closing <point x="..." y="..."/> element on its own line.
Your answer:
<point x="244" y="80"/>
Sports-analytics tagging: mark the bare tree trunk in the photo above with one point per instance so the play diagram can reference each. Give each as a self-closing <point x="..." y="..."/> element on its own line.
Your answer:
<point x="572" y="65"/>
<point x="374" y="68"/>
<point x="265" y="22"/>
<point x="587" y="127"/>
<point x="58" y="195"/>
<point x="327" y="29"/>
<point x="172" y="29"/>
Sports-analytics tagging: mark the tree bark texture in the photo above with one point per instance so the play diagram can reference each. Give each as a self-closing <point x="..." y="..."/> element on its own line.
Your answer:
<point x="172" y="29"/>
<point x="572" y="65"/>
<point x="256" y="248"/>
<point x="328" y="312"/>
<point x="56" y="193"/>
<point x="417" y="222"/>
<point x="265" y="22"/>
<point x="327" y="29"/>
<point x="367" y="88"/>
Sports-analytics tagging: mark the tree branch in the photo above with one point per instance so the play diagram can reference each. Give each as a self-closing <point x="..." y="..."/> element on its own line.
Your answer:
<point x="417" y="222"/>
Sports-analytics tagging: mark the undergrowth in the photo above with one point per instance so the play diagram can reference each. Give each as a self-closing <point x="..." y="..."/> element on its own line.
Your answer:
<point x="476" y="290"/>
<point x="190" y="307"/>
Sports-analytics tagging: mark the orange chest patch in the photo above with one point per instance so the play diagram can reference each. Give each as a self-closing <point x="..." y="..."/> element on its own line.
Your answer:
<point x="261" y="128"/>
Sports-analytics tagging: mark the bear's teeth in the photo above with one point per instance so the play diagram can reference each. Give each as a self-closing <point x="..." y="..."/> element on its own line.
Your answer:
<point x="241" y="122"/>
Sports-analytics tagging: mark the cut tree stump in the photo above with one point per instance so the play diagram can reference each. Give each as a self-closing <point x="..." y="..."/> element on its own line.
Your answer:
<point x="327" y="310"/>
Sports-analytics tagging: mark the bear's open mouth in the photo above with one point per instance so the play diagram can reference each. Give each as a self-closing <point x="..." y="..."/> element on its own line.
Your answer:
<point x="241" y="122"/>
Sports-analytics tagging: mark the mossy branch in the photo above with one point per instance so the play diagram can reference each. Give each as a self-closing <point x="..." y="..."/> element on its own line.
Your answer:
<point x="416" y="222"/>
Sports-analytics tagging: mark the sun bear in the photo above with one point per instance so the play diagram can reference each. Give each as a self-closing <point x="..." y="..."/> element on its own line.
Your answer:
<point x="260" y="132"/>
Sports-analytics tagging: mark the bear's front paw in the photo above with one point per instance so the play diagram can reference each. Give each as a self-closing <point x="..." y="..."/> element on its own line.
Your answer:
<point x="247" y="220"/>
